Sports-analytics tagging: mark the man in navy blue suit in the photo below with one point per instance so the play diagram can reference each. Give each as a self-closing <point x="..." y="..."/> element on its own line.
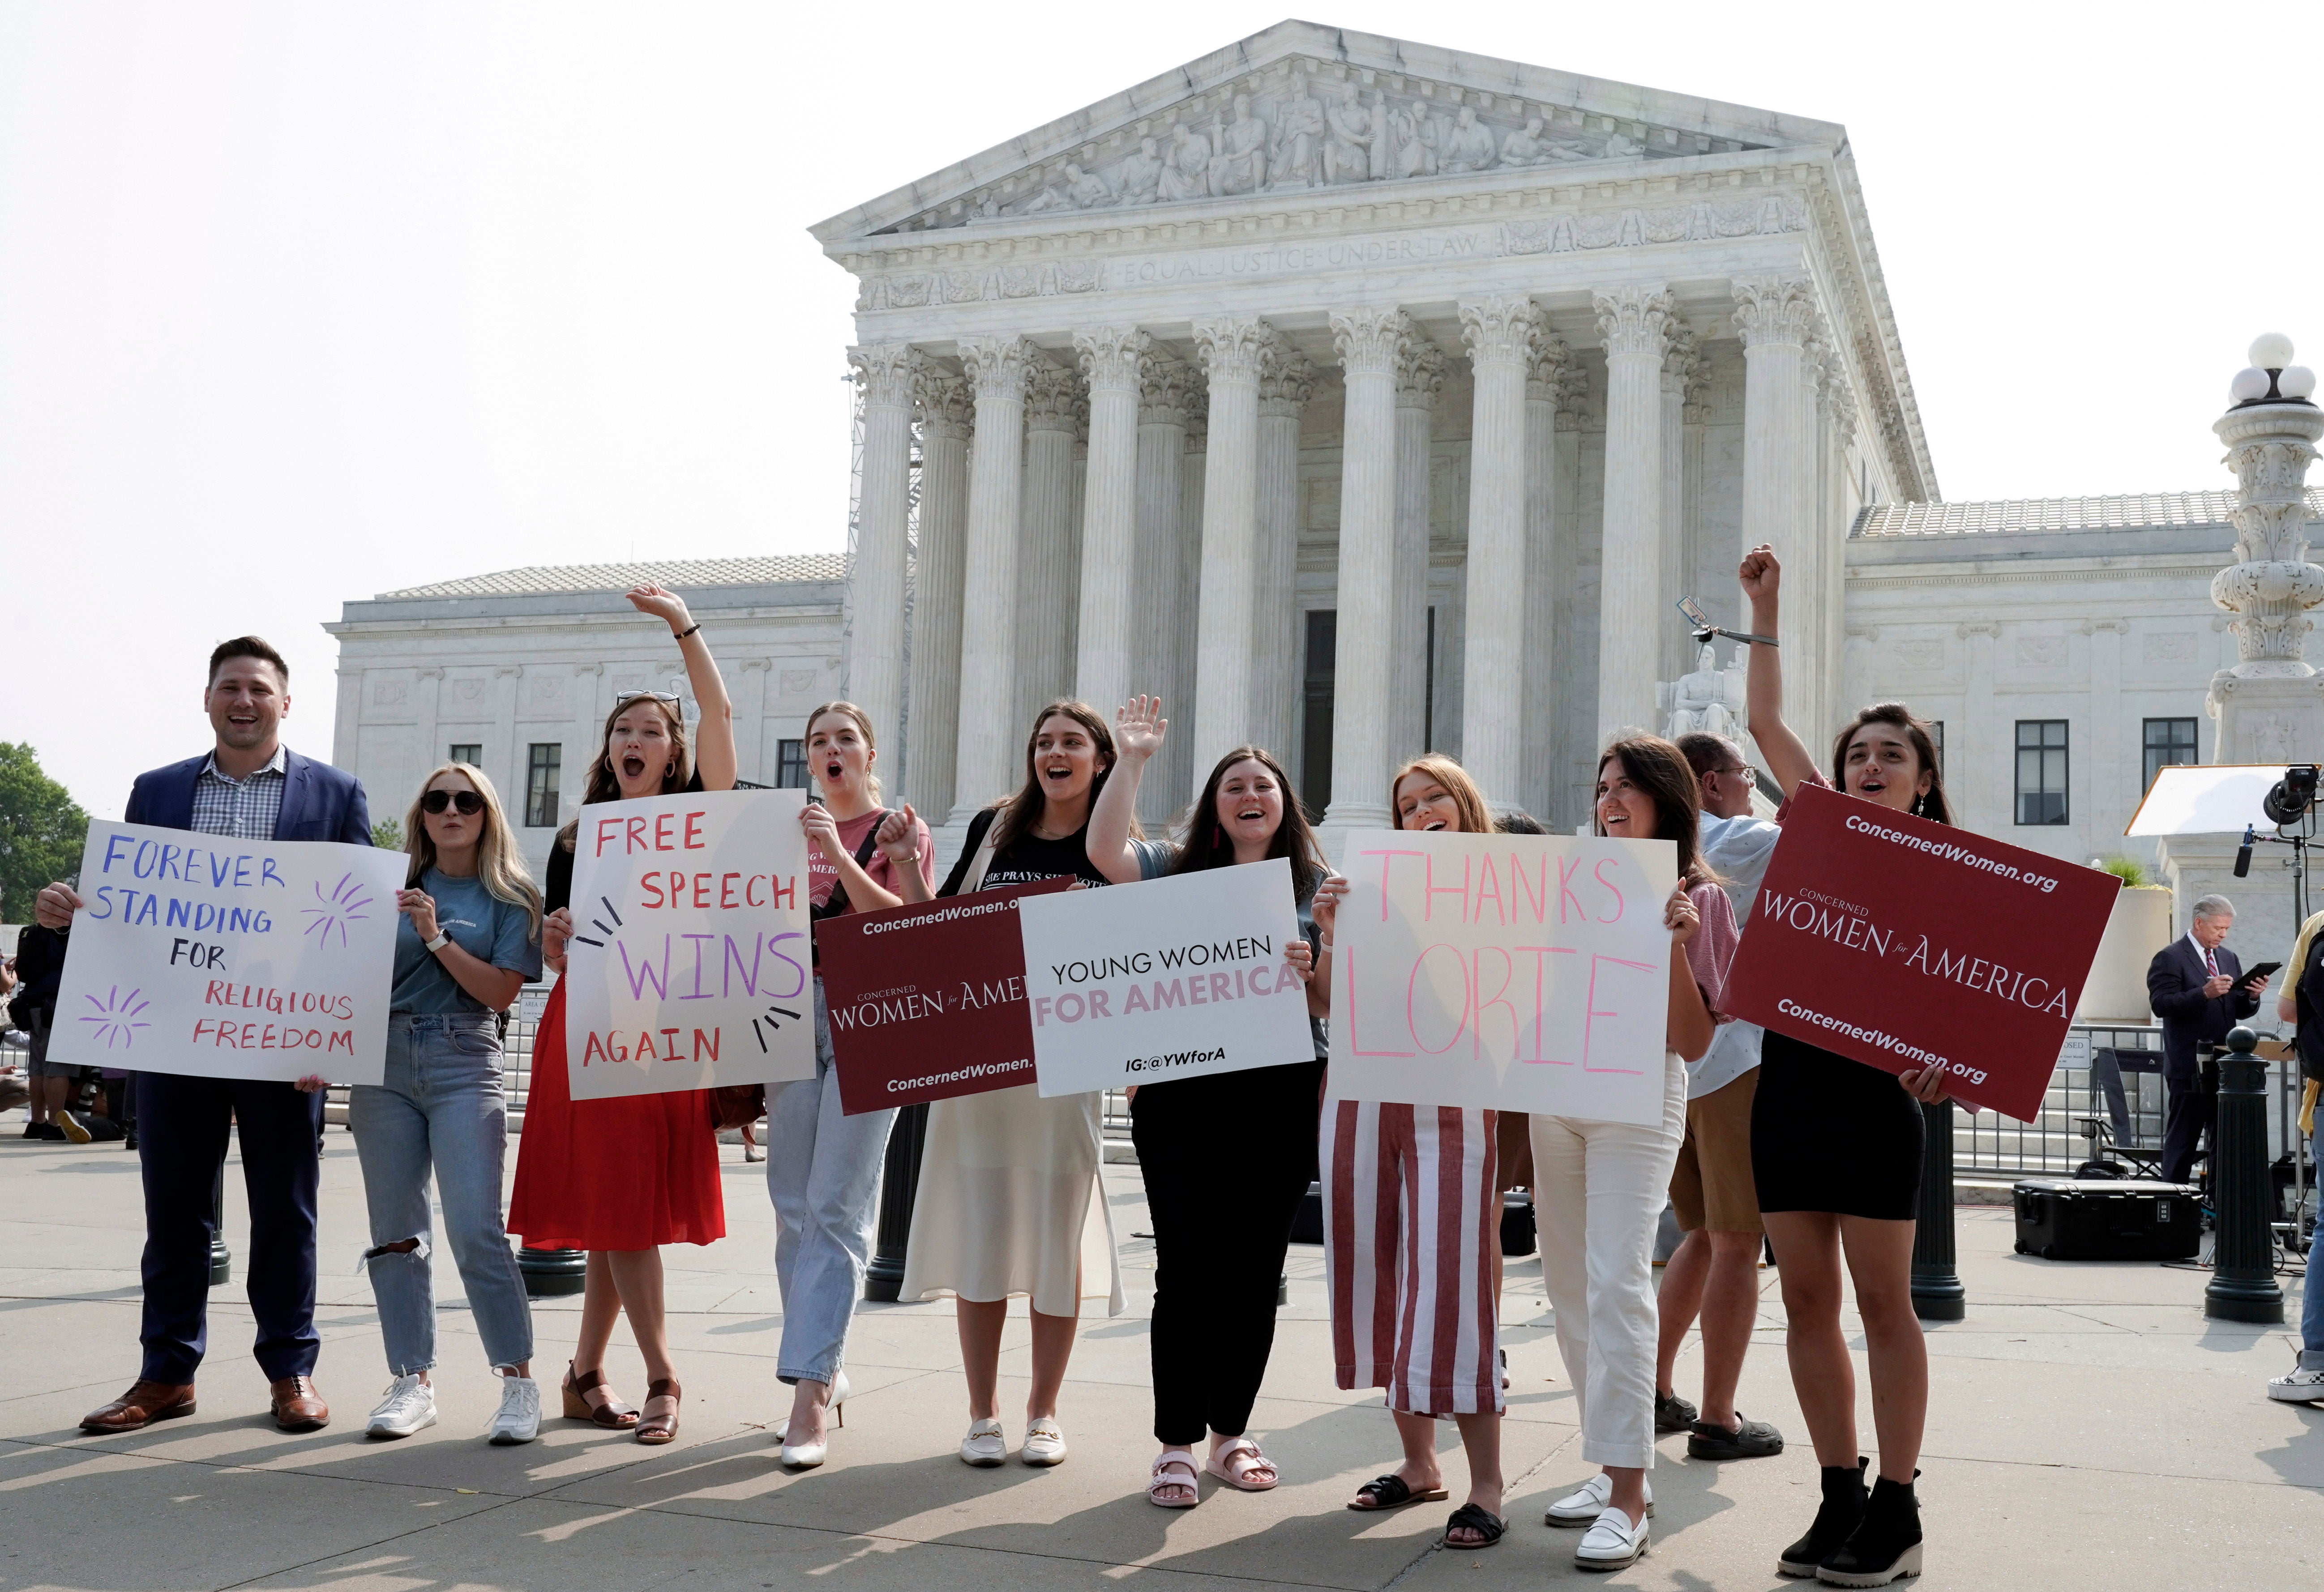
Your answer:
<point x="2196" y="986"/>
<point x="250" y="786"/>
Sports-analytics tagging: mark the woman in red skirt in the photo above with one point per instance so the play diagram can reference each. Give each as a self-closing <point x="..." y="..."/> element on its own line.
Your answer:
<point x="619" y="1178"/>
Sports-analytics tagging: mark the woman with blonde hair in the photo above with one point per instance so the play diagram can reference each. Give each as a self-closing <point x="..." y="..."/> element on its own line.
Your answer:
<point x="823" y="1165"/>
<point x="468" y="939"/>
<point x="622" y="1177"/>
<point x="1008" y="1201"/>
<point x="1382" y="1165"/>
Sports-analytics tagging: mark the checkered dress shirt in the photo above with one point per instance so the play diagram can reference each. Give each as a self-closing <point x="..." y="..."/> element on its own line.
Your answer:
<point x="241" y="809"/>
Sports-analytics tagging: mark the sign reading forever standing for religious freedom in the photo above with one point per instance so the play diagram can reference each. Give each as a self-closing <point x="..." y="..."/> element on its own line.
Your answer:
<point x="1180" y="978"/>
<point x="1901" y="942"/>
<point x="927" y="999"/>
<point x="1513" y="972"/>
<point x="689" y="962"/>
<point x="225" y="958"/>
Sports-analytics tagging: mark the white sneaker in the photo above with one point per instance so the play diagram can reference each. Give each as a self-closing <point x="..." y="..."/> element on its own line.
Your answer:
<point x="1045" y="1442"/>
<point x="410" y="1406"/>
<point x="984" y="1445"/>
<point x="1613" y="1541"/>
<point x="2299" y="1387"/>
<point x="518" y="1419"/>
<point x="1582" y="1506"/>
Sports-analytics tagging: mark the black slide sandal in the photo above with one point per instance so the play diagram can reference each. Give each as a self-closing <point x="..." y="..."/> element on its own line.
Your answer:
<point x="1476" y="1518"/>
<point x="1392" y="1492"/>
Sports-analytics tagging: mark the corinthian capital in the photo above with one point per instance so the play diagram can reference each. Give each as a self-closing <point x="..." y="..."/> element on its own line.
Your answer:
<point x="1680" y="357"/>
<point x="1773" y="309"/>
<point x="884" y="371"/>
<point x="1635" y="322"/>
<point x="1162" y="388"/>
<point x="1233" y="349"/>
<point x="1368" y="341"/>
<point x="1050" y="394"/>
<point x="1419" y="372"/>
<point x="946" y="407"/>
<point x="1111" y="357"/>
<point x="1546" y="365"/>
<point x="1501" y="331"/>
<point x="997" y="366"/>
<point x="1286" y="383"/>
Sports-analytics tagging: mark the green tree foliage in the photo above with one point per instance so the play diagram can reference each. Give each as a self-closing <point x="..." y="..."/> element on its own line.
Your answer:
<point x="42" y="830"/>
<point x="387" y="835"/>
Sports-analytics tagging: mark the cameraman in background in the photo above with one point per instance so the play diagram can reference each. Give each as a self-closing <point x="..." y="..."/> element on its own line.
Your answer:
<point x="2300" y="1000"/>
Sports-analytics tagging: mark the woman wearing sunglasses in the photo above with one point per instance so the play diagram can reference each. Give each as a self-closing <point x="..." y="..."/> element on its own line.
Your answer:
<point x="468" y="940"/>
<point x="620" y="1178"/>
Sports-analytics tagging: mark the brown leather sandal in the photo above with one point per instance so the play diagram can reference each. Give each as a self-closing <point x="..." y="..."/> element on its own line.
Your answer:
<point x="612" y="1414"/>
<point x="659" y="1426"/>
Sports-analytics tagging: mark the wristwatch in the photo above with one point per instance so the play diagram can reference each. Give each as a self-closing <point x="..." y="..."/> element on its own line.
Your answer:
<point x="439" y="941"/>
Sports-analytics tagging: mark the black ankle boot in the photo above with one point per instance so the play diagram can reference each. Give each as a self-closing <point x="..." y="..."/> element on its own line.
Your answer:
<point x="1886" y="1544"/>
<point x="1843" y="1507"/>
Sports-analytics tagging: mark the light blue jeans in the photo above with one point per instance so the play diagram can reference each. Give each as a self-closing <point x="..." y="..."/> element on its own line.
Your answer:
<point x="441" y="1109"/>
<point x="823" y="1174"/>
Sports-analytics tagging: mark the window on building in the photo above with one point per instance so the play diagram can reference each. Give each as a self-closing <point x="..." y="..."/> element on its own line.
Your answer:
<point x="2168" y="741"/>
<point x="540" y="794"/>
<point x="790" y="764"/>
<point x="2041" y="770"/>
<point x="465" y="751"/>
<point x="1315" y="739"/>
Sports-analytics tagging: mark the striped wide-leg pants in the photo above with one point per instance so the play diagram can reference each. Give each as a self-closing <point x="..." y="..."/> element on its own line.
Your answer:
<point x="1411" y="1213"/>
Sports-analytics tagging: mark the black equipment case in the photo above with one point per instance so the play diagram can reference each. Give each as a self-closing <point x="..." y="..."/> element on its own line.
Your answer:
<point x="2108" y="1218"/>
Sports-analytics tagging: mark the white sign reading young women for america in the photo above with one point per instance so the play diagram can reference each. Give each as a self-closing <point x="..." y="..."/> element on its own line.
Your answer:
<point x="690" y="966"/>
<point x="1512" y="972"/>
<point x="1182" y="977"/>
<point x="223" y="958"/>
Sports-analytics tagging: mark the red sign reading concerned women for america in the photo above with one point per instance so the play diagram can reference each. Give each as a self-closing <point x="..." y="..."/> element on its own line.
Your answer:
<point x="1900" y="942"/>
<point x="928" y="1002"/>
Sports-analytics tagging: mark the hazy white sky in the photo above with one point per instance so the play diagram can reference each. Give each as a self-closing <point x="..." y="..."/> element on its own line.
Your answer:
<point x="303" y="302"/>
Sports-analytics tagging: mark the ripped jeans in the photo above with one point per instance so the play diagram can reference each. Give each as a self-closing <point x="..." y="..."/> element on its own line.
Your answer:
<point x="441" y="1110"/>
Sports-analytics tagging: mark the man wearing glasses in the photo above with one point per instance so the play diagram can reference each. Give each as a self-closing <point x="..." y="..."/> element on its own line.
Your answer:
<point x="249" y="786"/>
<point x="1715" y="1273"/>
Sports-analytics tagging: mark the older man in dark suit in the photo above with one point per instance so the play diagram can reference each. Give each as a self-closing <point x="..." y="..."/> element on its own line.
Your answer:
<point x="2196" y="986"/>
<point x="250" y="786"/>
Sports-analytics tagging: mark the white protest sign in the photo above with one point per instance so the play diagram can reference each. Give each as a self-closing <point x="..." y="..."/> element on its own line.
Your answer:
<point x="689" y="966"/>
<point x="1513" y="972"/>
<point x="1176" y="978"/>
<point x="222" y="957"/>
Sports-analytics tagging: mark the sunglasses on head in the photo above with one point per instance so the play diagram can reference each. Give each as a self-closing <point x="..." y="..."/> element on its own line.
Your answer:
<point x="469" y="802"/>
<point x="627" y="697"/>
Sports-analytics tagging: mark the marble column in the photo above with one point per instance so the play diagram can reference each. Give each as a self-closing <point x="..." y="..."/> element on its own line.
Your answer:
<point x="1420" y="383"/>
<point x="1808" y="583"/>
<point x="1370" y="344"/>
<point x="1111" y="359"/>
<point x="1634" y="322"/>
<point x="1168" y="785"/>
<point x="1283" y="392"/>
<point x="1771" y="316"/>
<point x="932" y="744"/>
<point x="1579" y="558"/>
<point x="986" y="764"/>
<point x="1675" y="649"/>
<point x="883" y="372"/>
<point x="1233" y="354"/>
<point x="1544" y="365"/>
<point x="1163" y="384"/>
<point x="1839" y="429"/>
<point x="1502" y="335"/>
<point x="1694" y="414"/>
<point x="1047" y="603"/>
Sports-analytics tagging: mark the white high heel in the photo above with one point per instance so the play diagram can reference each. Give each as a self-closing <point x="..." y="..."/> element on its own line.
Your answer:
<point x="807" y="1456"/>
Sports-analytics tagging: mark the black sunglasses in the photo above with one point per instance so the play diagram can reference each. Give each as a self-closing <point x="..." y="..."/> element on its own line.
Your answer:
<point x="469" y="802"/>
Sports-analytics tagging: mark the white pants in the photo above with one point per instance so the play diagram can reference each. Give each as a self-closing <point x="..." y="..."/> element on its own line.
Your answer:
<point x="1599" y="1191"/>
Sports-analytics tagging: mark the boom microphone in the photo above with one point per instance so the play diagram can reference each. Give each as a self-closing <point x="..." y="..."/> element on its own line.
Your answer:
<point x="2243" y="853"/>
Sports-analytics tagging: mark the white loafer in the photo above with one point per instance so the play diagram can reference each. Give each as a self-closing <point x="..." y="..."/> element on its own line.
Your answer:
<point x="1045" y="1442"/>
<point x="985" y="1445"/>
<point x="1582" y="1506"/>
<point x="1613" y="1541"/>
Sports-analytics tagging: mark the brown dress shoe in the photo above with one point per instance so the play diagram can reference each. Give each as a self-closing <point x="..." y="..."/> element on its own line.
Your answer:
<point x="144" y="1403"/>
<point x="298" y="1407"/>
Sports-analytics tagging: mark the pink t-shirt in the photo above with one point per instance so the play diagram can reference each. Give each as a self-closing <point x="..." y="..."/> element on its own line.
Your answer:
<point x="1712" y="950"/>
<point x="821" y="876"/>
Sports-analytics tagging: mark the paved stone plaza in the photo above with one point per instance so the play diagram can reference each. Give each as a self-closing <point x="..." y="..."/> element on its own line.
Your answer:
<point x="2089" y="1429"/>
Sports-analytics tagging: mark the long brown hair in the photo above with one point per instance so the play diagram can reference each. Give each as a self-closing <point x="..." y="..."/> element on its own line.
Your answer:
<point x="1932" y="807"/>
<point x="1017" y="811"/>
<point x="1206" y="844"/>
<point x="1659" y="769"/>
<point x="600" y="784"/>
<point x="500" y="860"/>
<point x="1476" y="818"/>
<point x="863" y="727"/>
